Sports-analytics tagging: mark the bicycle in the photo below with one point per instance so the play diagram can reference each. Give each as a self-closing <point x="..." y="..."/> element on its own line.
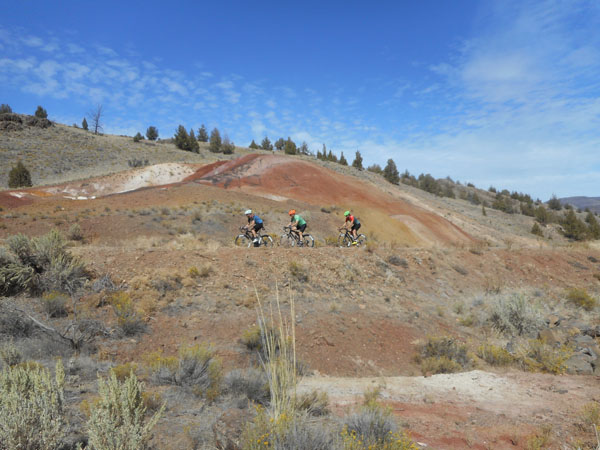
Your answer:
<point x="346" y="239"/>
<point x="291" y="239"/>
<point x="247" y="240"/>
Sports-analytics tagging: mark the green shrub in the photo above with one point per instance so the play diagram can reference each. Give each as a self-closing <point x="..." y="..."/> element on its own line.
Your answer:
<point x="117" y="420"/>
<point x="55" y="304"/>
<point x="10" y="355"/>
<point x="152" y="133"/>
<point x="538" y="356"/>
<point x="251" y="338"/>
<point x="443" y="355"/>
<point x="138" y="137"/>
<point x="127" y="316"/>
<point x="40" y="264"/>
<point x="19" y="176"/>
<point x="75" y="233"/>
<point x="581" y="298"/>
<point x="515" y="317"/>
<point x="536" y="229"/>
<point x="31" y="407"/>
<point x="196" y="368"/>
<point x="251" y="383"/>
<point x="494" y="355"/>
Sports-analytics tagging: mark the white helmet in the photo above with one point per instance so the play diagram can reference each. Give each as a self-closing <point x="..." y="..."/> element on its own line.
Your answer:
<point x="248" y="211"/>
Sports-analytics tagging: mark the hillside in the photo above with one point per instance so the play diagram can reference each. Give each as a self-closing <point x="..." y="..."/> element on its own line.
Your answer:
<point x="434" y="267"/>
<point x="591" y="203"/>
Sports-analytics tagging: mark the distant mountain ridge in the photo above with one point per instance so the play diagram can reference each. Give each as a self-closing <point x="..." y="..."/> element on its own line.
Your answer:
<point x="593" y="203"/>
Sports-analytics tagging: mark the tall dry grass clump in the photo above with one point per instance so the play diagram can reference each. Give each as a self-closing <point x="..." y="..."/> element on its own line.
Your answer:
<point x="31" y="407"/>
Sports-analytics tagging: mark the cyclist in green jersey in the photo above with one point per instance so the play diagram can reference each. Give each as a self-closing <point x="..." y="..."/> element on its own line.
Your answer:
<point x="297" y="224"/>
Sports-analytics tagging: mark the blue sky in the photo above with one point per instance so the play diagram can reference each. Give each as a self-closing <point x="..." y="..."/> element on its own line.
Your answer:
<point x="496" y="93"/>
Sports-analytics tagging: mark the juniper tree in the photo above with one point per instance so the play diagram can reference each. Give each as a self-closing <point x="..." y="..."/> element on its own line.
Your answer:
<point x="375" y="168"/>
<point x="152" y="133"/>
<point x="290" y="147"/>
<point x="357" y="161"/>
<point x="554" y="203"/>
<point x="303" y="149"/>
<point x="19" y="176"/>
<point x="342" y="160"/>
<point x="84" y="124"/>
<point x="181" y="138"/>
<point x="41" y="113"/>
<point x="138" y="137"/>
<point x="192" y="142"/>
<point x="253" y="145"/>
<point x="228" y="146"/>
<point x="202" y="134"/>
<point x="266" y="144"/>
<point x="390" y="172"/>
<point x="215" y="141"/>
<point x="4" y="109"/>
<point x="593" y="226"/>
<point x="279" y="143"/>
<point x="573" y="227"/>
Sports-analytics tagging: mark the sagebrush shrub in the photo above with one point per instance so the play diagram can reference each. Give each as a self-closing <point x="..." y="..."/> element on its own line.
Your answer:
<point x="537" y="356"/>
<point x="443" y="355"/>
<point x="128" y="318"/>
<point x="581" y="298"/>
<point x="516" y="316"/>
<point x="9" y="354"/>
<point x="31" y="407"/>
<point x="55" y="304"/>
<point x="494" y="355"/>
<point x="252" y="383"/>
<point x="117" y="419"/>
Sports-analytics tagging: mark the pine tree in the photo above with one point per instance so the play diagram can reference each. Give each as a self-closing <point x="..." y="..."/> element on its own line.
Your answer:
<point x="84" y="124"/>
<point x="253" y="145"/>
<point x="342" y="160"/>
<point x="279" y="143"/>
<point x="41" y="113"/>
<point x="5" y="109"/>
<point x="541" y="215"/>
<point x="303" y="149"/>
<point x="319" y="156"/>
<point x="266" y="144"/>
<point x="215" y="141"/>
<point x="554" y="203"/>
<point x="390" y="172"/>
<point x="357" y="161"/>
<point x="573" y="227"/>
<point x="181" y="138"/>
<point x="331" y="157"/>
<point x="19" y="176"/>
<point x="202" y="134"/>
<point x="152" y="133"/>
<point x="138" y="137"/>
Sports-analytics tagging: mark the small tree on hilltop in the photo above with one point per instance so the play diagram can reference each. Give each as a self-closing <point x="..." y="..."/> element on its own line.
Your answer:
<point x="202" y="134"/>
<point x="290" y="147"/>
<point x="152" y="133"/>
<point x="390" y="172"/>
<point x="5" y="109"/>
<point x="594" y="227"/>
<point x="253" y="145"/>
<point x="138" y="137"/>
<point x="193" y="145"/>
<point x="19" y="176"/>
<point x="331" y="157"/>
<point x="181" y="138"/>
<point x="41" y="113"/>
<point x="375" y="168"/>
<point x="95" y="116"/>
<point x="343" y="161"/>
<point x="303" y="149"/>
<point x="554" y="203"/>
<point x="215" y="141"/>
<point x="357" y="161"/>
<point x="266" y="144"/>
<point x="228" y="146"/>
<point x="279" y="143"/>
<point x="84" y="124"/>
<point x="573" y="227"/>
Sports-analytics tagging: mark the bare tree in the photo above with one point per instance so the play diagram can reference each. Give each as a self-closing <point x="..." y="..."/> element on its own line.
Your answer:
<point x="95" y="116"/>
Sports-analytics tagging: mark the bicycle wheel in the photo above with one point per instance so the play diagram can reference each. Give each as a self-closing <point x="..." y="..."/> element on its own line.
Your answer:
<point x="267" y="241"/>
<point x="241" y="240"/>
<point x="361" y="239"/>
<point x="343" y="240"/>
<point x="308" y="241"/>
<point x="287" y="241"/>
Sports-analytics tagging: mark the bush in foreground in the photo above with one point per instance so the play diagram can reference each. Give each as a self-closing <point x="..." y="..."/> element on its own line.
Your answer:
<point x="515" y="317"/>
<point x="117" y="420"/>
<point x="31" y="407"/>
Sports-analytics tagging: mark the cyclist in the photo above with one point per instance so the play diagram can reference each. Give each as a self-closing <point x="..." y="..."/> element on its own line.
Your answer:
<point x="255" y="223"/>
<point x="354" y="225"/>
<point x="297" y="224"/>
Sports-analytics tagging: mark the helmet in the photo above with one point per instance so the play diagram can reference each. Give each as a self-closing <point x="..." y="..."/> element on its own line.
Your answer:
<point x="292" y="212"/>
<point x="248" y="211"/>
<point x="347" y="213"/>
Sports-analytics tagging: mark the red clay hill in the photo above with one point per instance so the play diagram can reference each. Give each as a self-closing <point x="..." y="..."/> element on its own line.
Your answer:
<point x="281" y="178"/>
